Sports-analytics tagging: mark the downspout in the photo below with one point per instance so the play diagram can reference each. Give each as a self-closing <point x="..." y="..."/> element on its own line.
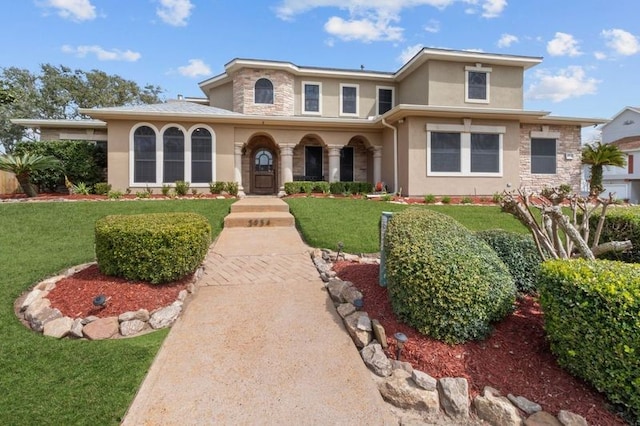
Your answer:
<point x="395" y="154"/>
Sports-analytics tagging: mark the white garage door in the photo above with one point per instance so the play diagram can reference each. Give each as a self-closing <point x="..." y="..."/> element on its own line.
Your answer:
<point x="621" y="190"/>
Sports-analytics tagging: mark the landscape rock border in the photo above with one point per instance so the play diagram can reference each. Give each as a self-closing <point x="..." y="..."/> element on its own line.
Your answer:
<point x="414" y="392"/>
<point x="35" y="311"/>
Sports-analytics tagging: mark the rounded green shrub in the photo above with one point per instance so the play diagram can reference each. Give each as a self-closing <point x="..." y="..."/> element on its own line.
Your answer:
<point x="592" y="320"/>
<point x="621" y="223"/>
<point x="159" y="247"/>
<point x="519" y="253"/>
<point x="443" y="280"/>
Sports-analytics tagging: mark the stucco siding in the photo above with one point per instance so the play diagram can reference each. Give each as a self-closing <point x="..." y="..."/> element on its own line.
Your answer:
<point x="222" y="96"/>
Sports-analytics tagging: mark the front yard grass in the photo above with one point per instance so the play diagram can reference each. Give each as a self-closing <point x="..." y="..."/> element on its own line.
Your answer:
<point x="48" y="381"/>
<point x="324" y="222"/>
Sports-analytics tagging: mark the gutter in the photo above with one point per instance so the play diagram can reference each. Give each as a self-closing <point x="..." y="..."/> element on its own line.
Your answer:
<point x="395" y="153"/>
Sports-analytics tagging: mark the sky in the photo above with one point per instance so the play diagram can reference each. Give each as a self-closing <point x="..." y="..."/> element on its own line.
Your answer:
<point x="590" y="48"/>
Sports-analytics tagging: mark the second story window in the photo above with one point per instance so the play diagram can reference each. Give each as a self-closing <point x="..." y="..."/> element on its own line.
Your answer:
<point x="263" y="91"/>
<point x="311" y="98"/>
<point x="349" y="99"/>
<point x="477" y="84"/>
<point x="385" y="99"/>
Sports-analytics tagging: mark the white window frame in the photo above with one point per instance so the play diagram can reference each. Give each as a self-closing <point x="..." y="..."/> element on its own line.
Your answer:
<point x="465" y="131"/>
<point x="393" y="97"/>
<point x="350" y="114"/>
<point x="273" y="92"/>
<point x="477" y="68"/>
<point x="303" y="97"/>
<point x="187" y="155"/>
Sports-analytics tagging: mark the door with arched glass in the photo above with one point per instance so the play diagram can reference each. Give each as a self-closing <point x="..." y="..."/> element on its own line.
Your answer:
<point x="264" y="176"/>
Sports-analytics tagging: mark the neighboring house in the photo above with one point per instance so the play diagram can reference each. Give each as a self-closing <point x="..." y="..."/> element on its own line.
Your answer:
<point x="447" y="122"/>
<point x="624" y="131"/>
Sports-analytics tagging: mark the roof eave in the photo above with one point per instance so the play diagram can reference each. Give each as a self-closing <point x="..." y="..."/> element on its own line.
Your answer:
<point x="59" y="123"/>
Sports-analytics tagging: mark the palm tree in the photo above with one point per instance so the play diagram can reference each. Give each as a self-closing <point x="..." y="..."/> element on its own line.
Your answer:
<point x="24" y="165"/>
<point x="598" y="155"/>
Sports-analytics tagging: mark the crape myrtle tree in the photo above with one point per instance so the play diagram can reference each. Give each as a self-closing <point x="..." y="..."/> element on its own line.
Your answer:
<point x="57" y="92"/>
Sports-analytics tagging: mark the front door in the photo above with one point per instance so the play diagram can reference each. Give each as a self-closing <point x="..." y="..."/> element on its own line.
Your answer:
<point x="264" y="176"/>
<point x="346" y="164"/>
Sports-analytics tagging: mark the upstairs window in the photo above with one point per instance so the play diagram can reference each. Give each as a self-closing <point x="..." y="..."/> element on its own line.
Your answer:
<point x="144" y="155"/>
<point x="349" y="99"/>
<point x="543" y="156"/>
<point x="311" y="98"/>
<point x="477" y="84"/>
<point x="263" y="91"/>
<point x="385" y="99"/>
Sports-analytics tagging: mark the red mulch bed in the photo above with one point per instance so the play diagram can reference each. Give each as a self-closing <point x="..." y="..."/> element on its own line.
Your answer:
<point x="516" y="358"/>
<point x="57" y="196"/>
<point x="74" y="295"/>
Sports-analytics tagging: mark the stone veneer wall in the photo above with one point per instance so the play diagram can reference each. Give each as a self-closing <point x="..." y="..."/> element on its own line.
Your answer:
<point x="567" y="171"/>
<point x="243" y="92"/>
<point x="298" y="157"/>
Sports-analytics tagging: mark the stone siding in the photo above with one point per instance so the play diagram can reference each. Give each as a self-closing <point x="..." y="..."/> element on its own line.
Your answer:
<point x="243" y="92"/>
<point x="298" y="157"/>
<point x="568" y="171"/>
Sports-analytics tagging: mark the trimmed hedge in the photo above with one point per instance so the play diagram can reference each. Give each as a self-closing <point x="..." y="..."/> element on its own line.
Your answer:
<point x="519" y="253"/>
<point x="337" y="188"/>
<point x="158" y="247"/>
<point x="306" y="187"/>
<point x="620" y="223"/>
<point x="592" y="320"/>
<point x="443" y="280"/>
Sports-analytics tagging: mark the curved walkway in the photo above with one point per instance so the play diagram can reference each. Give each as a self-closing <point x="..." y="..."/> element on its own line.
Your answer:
<point x="261" y="343"/>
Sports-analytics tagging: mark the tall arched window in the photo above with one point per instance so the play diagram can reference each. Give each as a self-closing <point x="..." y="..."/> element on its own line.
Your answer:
<point x="263" y="91"/>
<point x="144" y="155"/>
<point x="201" y="156"/>
<point x="173" y="150"/>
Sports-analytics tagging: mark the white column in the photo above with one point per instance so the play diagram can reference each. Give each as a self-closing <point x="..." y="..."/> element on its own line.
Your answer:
<point x="237" y="168"/>
<point x="286" y="167"/>
<point x="377" y="164"/>
<point x="334" y="163"/>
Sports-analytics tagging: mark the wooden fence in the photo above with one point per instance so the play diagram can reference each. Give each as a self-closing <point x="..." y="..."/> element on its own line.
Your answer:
<point x="8" y="183"/>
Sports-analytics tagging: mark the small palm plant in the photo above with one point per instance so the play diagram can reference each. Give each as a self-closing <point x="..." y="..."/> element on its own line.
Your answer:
<point x="598" y="155"/>
<point x="24" y="165"/>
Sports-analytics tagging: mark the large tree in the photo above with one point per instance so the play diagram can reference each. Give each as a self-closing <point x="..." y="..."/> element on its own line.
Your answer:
<point x="57" y="92"/>
<point x="597" y="155"/>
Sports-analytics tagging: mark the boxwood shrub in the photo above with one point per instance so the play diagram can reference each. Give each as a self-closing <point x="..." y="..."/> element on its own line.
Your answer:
<point x="442" y="279"/>
<point x="592" y="321"/>
<point x="157" y="247"/>
<point x="620" y="223"/>
<point x="519" y="253"/>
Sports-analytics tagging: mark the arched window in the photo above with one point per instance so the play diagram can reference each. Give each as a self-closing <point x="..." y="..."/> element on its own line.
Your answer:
<point x="263" y="91"/>
<point x="173" y="150"/>
<point x="264" y="161"/>
<point x="201" y="156"/>
<point x="144" y="155"/>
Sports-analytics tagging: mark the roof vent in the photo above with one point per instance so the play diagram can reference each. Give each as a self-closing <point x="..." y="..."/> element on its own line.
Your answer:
<point x="180" y="97"/>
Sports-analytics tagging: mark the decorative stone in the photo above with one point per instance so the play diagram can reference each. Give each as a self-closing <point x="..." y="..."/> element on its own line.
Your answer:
<point x="35" y="307"/>
<point x="379" y="333"/>
<point x="49" y="284"/>
<point x="401" y="365"/>
<point x="424" y="380"/>
<point x="345" y="309"/>
<point x="321" y="265"/>
<point x="350" y="294"/>
<point x="375" y="358"/>
<point x="496" y="410"/>
<point x="89" y="319"/>
<point x="335" y="289"/>
<point x="567" y="418"/>
<point x="529" y="407"/>
<point x="401" y="391"/>
<point x="58" y="327"/>
<point x="42" y="317"/>
<point x="77" y="268"/>
<point x="76" y="328"/>
<point x="166" y="316"/>
<point x="102" y="328"/>
<point x="361" y="338"/>
<point x="129" y="328"/>
<point x="454" y="396"/>
<point x="140" y="314"/>
<point x="364" y="323"/>
<point x="34" y="295"/>
<point x="542" y="418"/>
<point x="182" y="295"/>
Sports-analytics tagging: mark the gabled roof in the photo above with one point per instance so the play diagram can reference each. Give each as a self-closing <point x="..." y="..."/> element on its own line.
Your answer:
<point x="630" y="143"/>
<point x="623" y="110"/>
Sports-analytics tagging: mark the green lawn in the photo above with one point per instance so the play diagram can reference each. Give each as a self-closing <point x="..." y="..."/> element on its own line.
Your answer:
<point x="48" y="381"/>
<point x="324" y="222"/>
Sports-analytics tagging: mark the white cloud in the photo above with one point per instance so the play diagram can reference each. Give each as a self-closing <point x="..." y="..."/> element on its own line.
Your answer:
<point x="409" y="52"/>
<point x="196" y="68"/>
<point x="563" y="44"/>
<point x="364" y="29"/>
<point x="432" y="26"/>
<point x="600" y="55"/>
<point x="570" y="82"/>
<point x="507" y="40"/>
<point x="175" y="12"/>
<point x="76" y="10"/>
<point x="101" y="53"/>
<point x="621" y="41"/>
<point x="493" y="8"/>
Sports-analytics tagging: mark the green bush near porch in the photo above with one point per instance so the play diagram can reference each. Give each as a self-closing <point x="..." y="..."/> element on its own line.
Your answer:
<point x="158" y="248"/>
<point x="621" y="223"/>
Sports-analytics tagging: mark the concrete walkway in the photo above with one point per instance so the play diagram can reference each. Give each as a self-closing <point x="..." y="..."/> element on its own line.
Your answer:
<point x="260" y="343"/>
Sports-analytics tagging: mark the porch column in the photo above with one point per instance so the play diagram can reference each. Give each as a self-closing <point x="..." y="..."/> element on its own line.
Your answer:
<point x="286" y="167"/>
<point x="334" y="163"/>
<point x="377" y="164"/>
<point x="237" y="168"/>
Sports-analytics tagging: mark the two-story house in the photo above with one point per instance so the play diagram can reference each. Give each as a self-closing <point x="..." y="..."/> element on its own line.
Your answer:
<point x="447" y="122"/>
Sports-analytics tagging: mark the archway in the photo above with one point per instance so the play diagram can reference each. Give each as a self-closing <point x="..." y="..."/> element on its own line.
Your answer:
<point x="262" y="154"/>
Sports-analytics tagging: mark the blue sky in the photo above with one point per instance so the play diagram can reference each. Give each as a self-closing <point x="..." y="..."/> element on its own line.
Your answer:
<point x="591" y="48"/>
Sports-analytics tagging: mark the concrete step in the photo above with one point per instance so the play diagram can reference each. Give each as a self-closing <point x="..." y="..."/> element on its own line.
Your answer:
<point x="250" y="205"/>
<point x="256" y="220"/>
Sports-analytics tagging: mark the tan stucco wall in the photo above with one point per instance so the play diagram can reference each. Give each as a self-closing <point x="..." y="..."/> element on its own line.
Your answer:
<point x="54" y="134"/>
<point x="222" y="96"/>
<point x="414" y="89"/>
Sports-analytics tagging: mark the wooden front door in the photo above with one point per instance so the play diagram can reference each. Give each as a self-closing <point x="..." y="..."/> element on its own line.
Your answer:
<point x="264" y="176"/>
